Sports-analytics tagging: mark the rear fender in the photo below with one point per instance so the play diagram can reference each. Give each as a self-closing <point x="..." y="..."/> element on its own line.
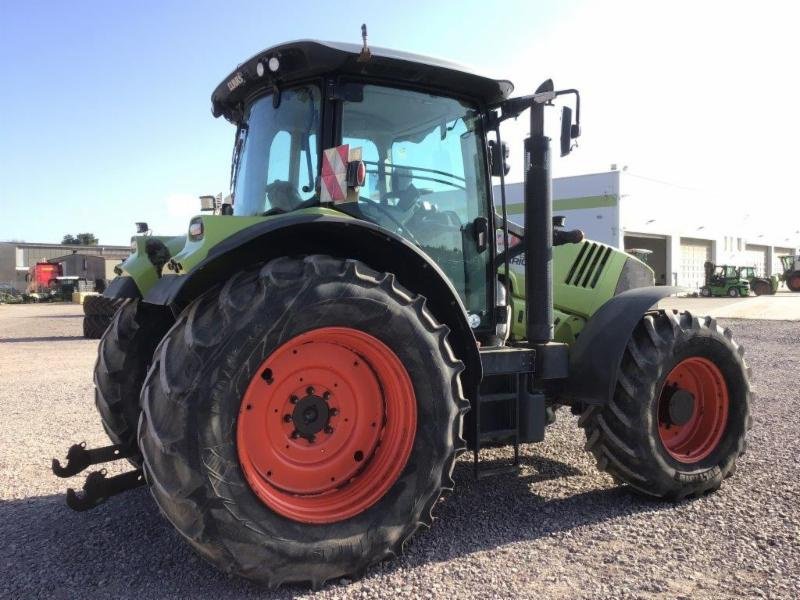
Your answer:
<point x="596" y="356"/>
<point x="342" y="237"/>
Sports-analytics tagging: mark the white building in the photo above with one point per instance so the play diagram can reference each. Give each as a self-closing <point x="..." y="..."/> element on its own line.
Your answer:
<point x="678" y="225"/>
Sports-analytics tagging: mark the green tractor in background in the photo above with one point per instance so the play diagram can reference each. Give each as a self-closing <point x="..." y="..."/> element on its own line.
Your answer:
<point x="295" y="376"/>
<point x="791" y="272"/>
<point x="759" y="285"/>
<point x="724" y="280"/>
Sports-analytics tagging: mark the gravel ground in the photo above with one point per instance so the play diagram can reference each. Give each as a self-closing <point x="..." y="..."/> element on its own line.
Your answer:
<point x="560" y="529"/>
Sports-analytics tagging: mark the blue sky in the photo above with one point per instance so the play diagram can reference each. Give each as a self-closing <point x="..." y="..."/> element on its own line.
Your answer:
<point x="105" y="112"/>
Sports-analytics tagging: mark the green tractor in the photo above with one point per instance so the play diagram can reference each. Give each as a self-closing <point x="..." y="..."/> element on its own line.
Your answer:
<point x="724" y="280"/>
<point x="791" y="272"/>
<point x="759" y="285"/>
<point x="296" y="376"/>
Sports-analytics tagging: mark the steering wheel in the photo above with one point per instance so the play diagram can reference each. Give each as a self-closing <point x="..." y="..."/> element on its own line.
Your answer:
<point x="383" y="210"/>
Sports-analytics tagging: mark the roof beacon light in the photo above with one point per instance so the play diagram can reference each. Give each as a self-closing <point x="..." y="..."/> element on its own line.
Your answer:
<point x="274" y="64"/>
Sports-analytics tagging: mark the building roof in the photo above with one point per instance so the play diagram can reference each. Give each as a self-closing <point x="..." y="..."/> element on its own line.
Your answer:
<point x="69" y="248"/>
<point x="304" y="59"/>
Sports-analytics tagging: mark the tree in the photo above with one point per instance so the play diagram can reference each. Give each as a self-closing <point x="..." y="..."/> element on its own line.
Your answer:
<point x="82" y="239"/>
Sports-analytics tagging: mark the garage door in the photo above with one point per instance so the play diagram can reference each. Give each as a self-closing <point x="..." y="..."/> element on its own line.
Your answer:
<point x="756" y="256"/>
<point x="694" y="254"/>
<point x="777" y="266"/>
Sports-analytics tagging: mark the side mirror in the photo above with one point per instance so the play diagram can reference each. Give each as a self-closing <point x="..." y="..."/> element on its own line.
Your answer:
<point x="498" y="158"/>
<point x="566" y="130"/>
<point x="142" y="228"/>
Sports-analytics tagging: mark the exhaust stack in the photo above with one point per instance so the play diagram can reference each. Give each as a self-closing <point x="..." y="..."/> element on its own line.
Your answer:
<point x="538" y="227"/>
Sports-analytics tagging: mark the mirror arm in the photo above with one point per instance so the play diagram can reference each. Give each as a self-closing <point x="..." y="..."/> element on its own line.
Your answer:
<point x="514" y="107"/>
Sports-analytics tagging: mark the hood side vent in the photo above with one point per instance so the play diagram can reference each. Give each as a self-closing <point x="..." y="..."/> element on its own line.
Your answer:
<point x="588" y="265"/>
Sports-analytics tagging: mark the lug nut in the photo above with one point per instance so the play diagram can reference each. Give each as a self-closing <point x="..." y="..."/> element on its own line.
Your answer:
<point x="295" y="434"/>
<point x="293" y="399"/>
<point x="326" y="396"/>
<point x="334" y="412"/>
<point x="310" y="390"/>
<point x="328" y="429"/>
<point x="287" y="418"/>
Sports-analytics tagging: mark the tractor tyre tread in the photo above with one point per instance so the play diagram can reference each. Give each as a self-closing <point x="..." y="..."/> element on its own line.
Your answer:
<point x="102" y="306"/>
<point x="94" y="326"/>
<point x="201" y="489"/>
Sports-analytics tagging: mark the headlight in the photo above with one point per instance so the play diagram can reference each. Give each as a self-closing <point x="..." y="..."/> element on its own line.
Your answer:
<point x="196" y="229"/>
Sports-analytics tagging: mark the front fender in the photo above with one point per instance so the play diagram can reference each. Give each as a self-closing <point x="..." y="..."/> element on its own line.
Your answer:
<point x="596" y="356"/>
<point x="342" y="237"/>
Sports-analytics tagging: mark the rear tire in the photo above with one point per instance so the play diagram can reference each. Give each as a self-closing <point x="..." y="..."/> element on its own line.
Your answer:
<point x="733" y="292"/>
<point x="123" y="357"/>
<point x="793" y="282"/>
<point x="197" y="394"/>
<point x="102" y="306"/>
<point x="705" y="292"/>
<point x="626" y="435"/>
<point x="94" y="326"/>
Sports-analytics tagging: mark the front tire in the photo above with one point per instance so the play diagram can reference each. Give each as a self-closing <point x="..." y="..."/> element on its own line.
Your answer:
<point x="733" y="292"/>
<point x="230" y="459"/>
<point x="680" y="412"/>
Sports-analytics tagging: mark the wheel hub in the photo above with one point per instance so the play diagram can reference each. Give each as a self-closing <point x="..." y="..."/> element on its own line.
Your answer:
<point x="680" y="407"/>
<point x="311" y="415"/>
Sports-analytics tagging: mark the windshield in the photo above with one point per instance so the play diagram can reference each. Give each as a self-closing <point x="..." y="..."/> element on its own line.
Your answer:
<point x="425" y="178"/>
<point x="275" y="157"/>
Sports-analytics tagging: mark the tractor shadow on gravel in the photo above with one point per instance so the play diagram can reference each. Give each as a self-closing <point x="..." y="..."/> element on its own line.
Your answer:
<point x="51" y="338"/>
<point x="505" y="508"/>
<point x="122" y="549"/>
<point x="126" y="549"/>
<point x="40" y="317"/>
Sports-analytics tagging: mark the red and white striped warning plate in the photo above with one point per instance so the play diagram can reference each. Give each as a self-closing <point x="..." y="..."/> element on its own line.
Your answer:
<point x="334" y="174"/>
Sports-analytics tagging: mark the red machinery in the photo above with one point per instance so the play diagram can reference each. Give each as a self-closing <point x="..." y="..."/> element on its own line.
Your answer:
<point x="43" y="276"/>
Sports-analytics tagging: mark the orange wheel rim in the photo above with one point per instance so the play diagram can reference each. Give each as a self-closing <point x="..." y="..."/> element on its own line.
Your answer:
<point x="693" y="409"/>
<point x="326" y="425"/>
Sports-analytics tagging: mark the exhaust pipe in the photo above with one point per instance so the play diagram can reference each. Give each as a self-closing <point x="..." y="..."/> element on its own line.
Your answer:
<point x="538" y="228"/>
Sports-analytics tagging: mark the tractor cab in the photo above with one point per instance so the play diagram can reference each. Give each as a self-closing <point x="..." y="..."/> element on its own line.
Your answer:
<point x="791" y="272"/>
<point x="425" y="174"/>
<point x="790" y="263"/>
<point x="748" y="273"/>
<point x="416" y="142"/>
<point x="724" y="273"/>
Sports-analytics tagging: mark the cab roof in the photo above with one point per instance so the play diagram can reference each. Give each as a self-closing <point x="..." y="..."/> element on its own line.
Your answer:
<point x="305" y="59"/>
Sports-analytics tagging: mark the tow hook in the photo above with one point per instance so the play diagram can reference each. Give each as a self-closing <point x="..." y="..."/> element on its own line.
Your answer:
<point x="98" y="487"/>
